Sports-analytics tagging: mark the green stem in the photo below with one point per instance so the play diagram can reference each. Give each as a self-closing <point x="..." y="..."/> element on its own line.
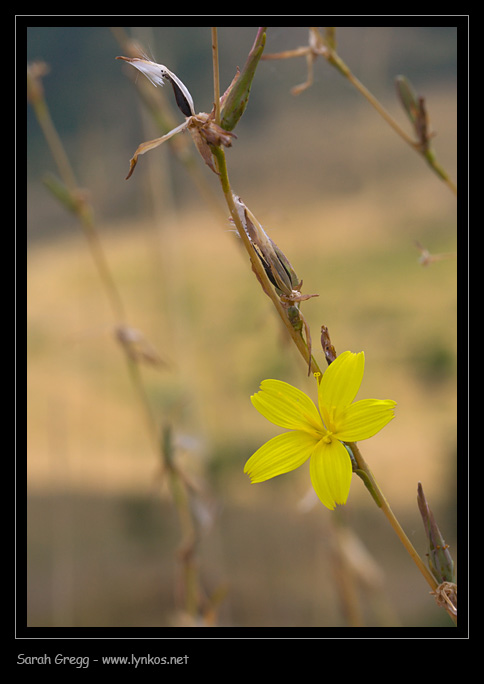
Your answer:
<point x="216" y="77"/>
<point x="382" y="503"/>
<point x="371" y="484"/>
<point x="340" y="65"/>
<point x="259" y="270"/>
<point x="363" y="470"/>
<point x="441" y="172"/>
<point x="337" y="62"/>
<point x="366" y="474"/>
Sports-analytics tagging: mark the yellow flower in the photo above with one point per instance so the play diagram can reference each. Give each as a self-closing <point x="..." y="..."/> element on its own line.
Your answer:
<point x="318" y="436"/>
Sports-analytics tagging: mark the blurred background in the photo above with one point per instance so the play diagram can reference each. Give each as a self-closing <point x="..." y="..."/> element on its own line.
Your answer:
<point x="346" y="200"/>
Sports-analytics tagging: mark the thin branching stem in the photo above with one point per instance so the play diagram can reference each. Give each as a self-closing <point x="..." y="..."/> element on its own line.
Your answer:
<point x="430" y="158"/>
<point x="364" y="469"/>
<point x="334" y="59"/>
<point x="326" y="47"/>
<point x="259" y="270"/>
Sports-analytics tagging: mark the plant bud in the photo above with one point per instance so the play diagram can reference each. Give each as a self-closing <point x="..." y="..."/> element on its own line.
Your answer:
<point x="439" y="559"/>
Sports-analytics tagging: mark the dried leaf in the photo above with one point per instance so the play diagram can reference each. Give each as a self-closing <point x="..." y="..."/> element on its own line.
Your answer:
<point x="151" y="144"/>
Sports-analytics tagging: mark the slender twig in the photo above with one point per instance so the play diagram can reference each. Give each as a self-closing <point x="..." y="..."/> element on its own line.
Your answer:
<point x="385" y="506"/>
<point x="216" y="76"/>
<point x="428" y="155"/>
<point x="390" y="516"/>
<point x="326" y="47"/>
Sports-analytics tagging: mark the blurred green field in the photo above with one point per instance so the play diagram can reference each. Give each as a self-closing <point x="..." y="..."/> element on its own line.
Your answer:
<point x="103" y="536"/>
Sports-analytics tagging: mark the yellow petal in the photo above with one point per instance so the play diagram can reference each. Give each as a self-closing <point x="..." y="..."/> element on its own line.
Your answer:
<point x="287" y="406"/>
<point x="363" y="419"/>
<point x="340" y="382"/>
<point x="331" y="471"/>
<point x="280" y="455"/>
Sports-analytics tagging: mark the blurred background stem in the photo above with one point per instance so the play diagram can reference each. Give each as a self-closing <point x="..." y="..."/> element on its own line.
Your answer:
<point x="325" y="46"/>
<point x="76" y="200"/>
<point x="334" y="59"/>
<point x="75" y="197"/>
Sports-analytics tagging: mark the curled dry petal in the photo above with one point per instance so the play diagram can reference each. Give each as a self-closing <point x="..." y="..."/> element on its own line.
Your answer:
<point x="151" y="144"/>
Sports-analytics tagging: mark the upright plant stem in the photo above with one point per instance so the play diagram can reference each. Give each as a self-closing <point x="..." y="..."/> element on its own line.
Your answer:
<point x="369" y="479"/>
<point x="256" y="264"/>
<point x="302" y="347"/>
<point x="216" y="76"/>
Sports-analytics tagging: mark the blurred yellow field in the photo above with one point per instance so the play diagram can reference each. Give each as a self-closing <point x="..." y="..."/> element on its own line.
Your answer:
<point x="204" y="312"/>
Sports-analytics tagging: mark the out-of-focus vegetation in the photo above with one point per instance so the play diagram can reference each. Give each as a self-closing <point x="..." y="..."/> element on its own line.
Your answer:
<point x="345" y="199"/>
